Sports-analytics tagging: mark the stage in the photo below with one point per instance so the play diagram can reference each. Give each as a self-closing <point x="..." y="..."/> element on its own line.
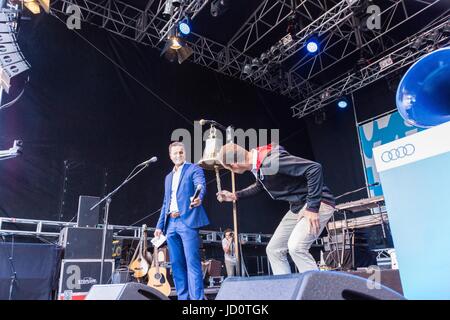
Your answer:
<point x="299" y="146"/>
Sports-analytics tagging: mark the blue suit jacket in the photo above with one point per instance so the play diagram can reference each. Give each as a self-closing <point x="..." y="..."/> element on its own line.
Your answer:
<point x="191" y="176"/>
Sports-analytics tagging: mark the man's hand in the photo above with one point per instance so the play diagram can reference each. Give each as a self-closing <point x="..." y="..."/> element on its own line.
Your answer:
<point x="157" y="233"/>
<point x="195" y="203"/>
<point x="225" y="195"/>
<point x="314" y="221"/>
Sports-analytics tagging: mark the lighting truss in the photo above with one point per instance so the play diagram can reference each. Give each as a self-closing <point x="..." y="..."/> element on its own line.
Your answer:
<point x="145" y="25"/>
<point x="403" y="54"/>
<point x="332" y="19"/>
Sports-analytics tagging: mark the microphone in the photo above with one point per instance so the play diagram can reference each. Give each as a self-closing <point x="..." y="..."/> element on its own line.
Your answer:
<point x="204" y="121"/>
<point x="153" y="159"/>
<point x="196" y="193"/>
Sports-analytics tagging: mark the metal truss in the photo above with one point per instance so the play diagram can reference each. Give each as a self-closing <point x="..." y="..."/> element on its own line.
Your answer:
<point x="371" y="44"/>
<point x="51" y="229"/>
<point x="269" y="15"/>
<point x="332" y="20"/>
<point x="398" y="57"/>
<point x="340" y="37"/>
<point x="147" y="27"/>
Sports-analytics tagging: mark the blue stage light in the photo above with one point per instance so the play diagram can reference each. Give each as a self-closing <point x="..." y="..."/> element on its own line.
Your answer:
<point x="342" y="103"/>
<point x="312" y="45"/>
<point x="184" y="27"/>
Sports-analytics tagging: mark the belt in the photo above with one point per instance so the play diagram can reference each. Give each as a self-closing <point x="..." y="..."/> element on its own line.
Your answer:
<point x="174" y="214"/>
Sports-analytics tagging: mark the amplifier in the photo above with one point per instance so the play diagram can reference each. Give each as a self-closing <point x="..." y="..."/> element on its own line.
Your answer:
<point x="85" y="243"/>
<point x="79" y="275"/>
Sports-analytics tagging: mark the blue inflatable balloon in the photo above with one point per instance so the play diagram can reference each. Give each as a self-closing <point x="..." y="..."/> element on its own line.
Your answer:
<point x="423" y="95"/>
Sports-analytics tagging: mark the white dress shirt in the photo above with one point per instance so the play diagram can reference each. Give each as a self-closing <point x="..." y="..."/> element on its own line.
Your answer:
<point x="173" y="194"/>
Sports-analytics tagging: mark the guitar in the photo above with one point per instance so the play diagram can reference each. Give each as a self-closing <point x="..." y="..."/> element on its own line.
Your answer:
<point x="157" y="276"/>
<point x="139" y="264"/>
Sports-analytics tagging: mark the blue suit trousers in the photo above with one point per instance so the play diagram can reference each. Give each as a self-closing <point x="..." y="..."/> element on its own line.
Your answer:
<point x="184" y="251"/>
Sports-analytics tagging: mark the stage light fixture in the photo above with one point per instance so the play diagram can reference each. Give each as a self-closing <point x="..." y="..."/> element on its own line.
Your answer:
<point x="343" y="102"/>
<point x="168" y="9"/>
<point x="312" y="45"/>
<point x="264" y="58"/>
<point x="275" y="50"/>
<point x="219" y="7"/>
<point x="175" y="43"/>
<point x="184" y="26"/>
<point x="417" y="44"/>
<point x="255" y="64"/>
<point x="247" y="71"/>
<point x="176" y="48"/>
<point x="34" y="5"/>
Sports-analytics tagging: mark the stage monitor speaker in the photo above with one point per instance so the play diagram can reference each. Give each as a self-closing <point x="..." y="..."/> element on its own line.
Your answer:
<point x="126" y="291"/>
<point x="311" y="285"/>
<point x="85" y="243"/>
<point x="86" y="216"/>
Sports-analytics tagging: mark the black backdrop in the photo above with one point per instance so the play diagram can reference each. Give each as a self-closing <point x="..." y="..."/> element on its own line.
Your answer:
<point x="84" y="119"/>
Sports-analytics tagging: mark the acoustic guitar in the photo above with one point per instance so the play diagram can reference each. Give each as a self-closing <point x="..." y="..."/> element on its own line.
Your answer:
<point x="139" y="264"/>
<point x="157" y="275"/>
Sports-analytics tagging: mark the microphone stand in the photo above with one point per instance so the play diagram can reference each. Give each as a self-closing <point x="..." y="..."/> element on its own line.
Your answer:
<point x="107" y="198"/>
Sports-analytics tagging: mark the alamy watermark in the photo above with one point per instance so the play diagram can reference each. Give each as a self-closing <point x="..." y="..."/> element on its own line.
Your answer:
<point x="74" y="19"/>
<point x="213" y="140"/>
<point x="373" y="22"/>
<point x="374" y="280"/>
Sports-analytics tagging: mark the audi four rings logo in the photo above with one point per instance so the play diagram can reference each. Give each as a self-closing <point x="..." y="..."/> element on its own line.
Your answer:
<point x="398" y="153"/>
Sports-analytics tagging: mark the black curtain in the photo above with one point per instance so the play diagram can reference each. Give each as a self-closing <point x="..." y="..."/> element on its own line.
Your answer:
<point x="86" y="121"/>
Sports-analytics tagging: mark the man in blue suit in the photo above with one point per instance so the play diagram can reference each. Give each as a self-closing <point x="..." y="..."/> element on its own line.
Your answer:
<point x="180" y="219"/>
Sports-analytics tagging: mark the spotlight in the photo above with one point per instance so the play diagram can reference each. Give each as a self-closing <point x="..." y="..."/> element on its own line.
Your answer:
<point x="184" y="26"/>
<point x="264" y="58"/>
<point x="416" y="45"/>
<point x="255" y="64"/>
<point x="34" y="5"/>
<point x="176" y="48"/>
<point x="343" y="102"/>
<point x="312" y="45"/>
<point x="219" y="7"/>
<point x="175" y="43"/>
<point x="247" y="71"/>
<point x="275" y="50"/>
<point x="168" y="9"/>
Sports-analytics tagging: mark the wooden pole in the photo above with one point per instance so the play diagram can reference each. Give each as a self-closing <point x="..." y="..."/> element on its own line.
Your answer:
<point x="235" y="222"/>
